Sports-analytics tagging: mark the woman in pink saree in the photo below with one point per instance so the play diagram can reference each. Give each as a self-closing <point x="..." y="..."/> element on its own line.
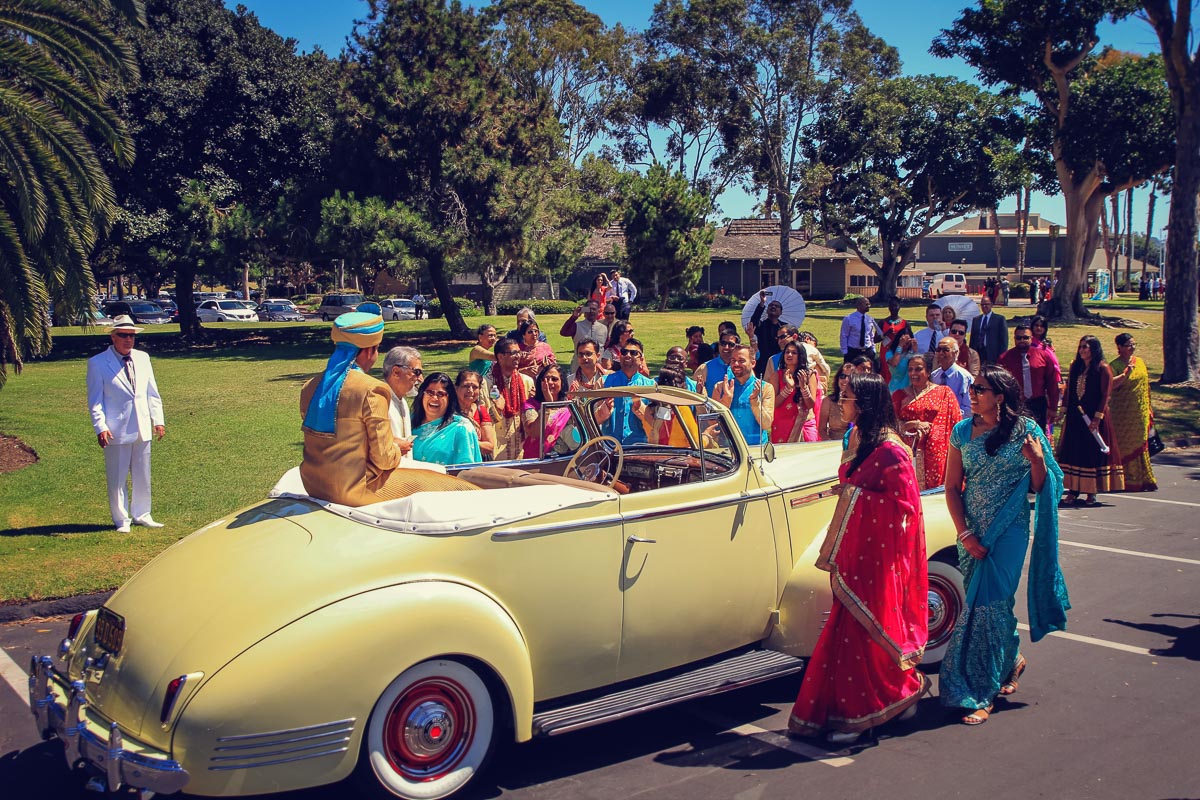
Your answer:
<point x="549" y="387"/>
<point x="863" y="670"/>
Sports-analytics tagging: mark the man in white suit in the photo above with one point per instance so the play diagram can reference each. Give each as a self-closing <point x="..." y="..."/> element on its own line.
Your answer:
<point x="126" y="411"/>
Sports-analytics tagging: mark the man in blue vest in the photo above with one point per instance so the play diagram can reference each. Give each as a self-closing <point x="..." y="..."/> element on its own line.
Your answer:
<point x="621" y="417"/>
<point x="751" y="399"/>
<point x="710" y="373"/>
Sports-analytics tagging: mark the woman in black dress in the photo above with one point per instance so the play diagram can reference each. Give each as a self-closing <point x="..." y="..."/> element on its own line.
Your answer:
<point x="1087" y="469"/>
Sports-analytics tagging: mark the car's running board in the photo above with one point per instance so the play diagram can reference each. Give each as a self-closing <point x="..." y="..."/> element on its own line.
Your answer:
<point x="740" y="670"/>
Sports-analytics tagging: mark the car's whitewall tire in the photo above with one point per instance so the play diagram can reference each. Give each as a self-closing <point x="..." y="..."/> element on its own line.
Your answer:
<point x="430" y="733"/>
<point x="947" y="601"/>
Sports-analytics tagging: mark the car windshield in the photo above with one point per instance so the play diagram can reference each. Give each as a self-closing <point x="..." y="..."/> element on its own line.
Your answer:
<point x="230" y="305"/>
<point x="277" y="307"/>
<point x="145" y="308"/>
<point x="405" y="304"/>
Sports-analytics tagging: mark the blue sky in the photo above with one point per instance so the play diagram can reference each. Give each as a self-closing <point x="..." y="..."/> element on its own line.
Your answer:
<point x="909" y="27"/>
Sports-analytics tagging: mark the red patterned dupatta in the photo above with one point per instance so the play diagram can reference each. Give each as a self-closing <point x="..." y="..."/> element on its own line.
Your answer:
<point x="874" y="551"/>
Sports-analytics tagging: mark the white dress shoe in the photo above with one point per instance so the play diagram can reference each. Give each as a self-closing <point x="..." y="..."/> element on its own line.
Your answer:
<point x="123" y="527"/>
<point x="843" y="737"/>
<point x="147" y="522"/>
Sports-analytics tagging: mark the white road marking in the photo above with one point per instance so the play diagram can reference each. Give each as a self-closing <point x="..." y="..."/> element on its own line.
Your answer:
<point x="1115" y="527"/>
<point x="1130" y="552"/>
<point x="1075" y="637"/>
<point x="775" y="740"/>
<point x="1150" y="500"/>
<point x="15" y="677"/>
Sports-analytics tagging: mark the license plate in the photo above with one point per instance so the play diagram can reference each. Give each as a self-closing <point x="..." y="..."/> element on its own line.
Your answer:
<point x="110" y="630"/>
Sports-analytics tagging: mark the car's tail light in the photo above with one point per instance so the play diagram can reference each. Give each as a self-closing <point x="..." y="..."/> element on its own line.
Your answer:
<point x="172" y="695"/>
<point x="73" y="629"/>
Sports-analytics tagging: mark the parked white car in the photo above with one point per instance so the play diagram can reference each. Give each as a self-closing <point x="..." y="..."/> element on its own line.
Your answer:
<point x="947" y="283"/>
<point x="398" y="308"/>
<point x="226" y="311"/>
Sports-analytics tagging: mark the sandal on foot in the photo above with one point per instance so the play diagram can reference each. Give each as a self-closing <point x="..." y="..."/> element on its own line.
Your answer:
<point x="1091" y="501"/>
<point x="1069" y="499"/>
<point x="1010" y="685"/>
<point x="977" y="717"/>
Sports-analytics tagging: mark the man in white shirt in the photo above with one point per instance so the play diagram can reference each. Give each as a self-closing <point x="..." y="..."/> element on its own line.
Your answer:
<point x="928" y="338"/>
<point x="127" y="412"/>
<point x="402" y="373"/>
<point x="626" y="294"/>
<point x="950" y="374"/>
<point x="590" y="328"/>
<point x="859" y="333"/>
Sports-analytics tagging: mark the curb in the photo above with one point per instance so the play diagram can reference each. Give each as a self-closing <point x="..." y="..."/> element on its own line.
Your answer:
<point x="19" y="612"/>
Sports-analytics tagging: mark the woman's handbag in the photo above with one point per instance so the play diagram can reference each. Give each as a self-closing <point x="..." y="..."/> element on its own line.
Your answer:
<point x="1154" y="442"/>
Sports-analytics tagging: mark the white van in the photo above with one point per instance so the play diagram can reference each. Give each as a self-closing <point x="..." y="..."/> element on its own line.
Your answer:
<point x="945" y="283"/>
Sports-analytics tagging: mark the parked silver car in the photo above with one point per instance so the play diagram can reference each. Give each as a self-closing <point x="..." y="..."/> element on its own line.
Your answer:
<point x="395" y="308"/>
<point x="226" y="311"/>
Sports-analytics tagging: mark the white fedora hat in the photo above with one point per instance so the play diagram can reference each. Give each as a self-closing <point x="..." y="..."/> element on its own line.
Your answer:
<point x="123" y="323"/>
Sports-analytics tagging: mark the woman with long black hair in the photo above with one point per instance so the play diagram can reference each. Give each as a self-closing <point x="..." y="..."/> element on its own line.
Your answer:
<point x="863" y="669"/>
<point x="1087" y="469"/>
<point x="997" y="458"/>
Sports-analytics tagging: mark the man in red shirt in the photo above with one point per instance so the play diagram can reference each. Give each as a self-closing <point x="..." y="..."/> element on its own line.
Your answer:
<point x="1037" y="374"/>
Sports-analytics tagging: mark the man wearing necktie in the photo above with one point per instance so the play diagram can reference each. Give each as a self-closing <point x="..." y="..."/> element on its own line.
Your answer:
<point x="127" y="412"/>
<point x="859" y="332"/>
<point x="989" y="333"/>
<point x="1037" y="374"/>
<point x="928" y="338"/>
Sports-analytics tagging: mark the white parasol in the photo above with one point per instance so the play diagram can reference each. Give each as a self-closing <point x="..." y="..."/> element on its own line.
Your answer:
<point x="964" y="307"/>
<point x="789" y="298"/>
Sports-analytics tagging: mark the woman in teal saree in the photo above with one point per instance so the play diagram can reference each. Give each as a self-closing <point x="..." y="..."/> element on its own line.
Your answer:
<point x="996" y="460"/>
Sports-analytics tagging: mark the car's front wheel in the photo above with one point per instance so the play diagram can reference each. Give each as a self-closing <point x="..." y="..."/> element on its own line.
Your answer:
<point x="430" y="733"/>
<point x="947" y="601"/>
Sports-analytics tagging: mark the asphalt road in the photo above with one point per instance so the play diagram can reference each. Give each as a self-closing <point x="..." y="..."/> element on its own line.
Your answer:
<point x="1108" y="710"/>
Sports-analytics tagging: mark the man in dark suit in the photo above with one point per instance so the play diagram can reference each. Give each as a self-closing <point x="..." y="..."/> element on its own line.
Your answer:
<point x="989" y="333"/>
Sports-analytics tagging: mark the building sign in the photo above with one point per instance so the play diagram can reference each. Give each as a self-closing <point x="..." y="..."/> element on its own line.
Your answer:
<point x="961" y="247"/>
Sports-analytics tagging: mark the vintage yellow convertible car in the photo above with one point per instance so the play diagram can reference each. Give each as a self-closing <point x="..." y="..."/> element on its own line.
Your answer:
<point x="296" y="643"/>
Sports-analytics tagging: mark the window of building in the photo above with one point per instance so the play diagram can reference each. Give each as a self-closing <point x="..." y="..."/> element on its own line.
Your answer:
<point x="863" y="281"/>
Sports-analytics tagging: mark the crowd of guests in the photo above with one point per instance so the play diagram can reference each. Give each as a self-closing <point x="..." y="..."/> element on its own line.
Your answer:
<point x="948" y="405"/>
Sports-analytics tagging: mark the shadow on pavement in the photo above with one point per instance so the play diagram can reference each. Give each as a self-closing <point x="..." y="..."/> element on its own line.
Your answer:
<point x="39" y="772"/>
<point x="1186" y="643"/>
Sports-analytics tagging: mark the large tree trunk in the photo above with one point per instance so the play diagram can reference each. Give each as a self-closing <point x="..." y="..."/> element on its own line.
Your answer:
<point x="185" y="281"/>
<point x="437" y="272"/>
<point x="1128" y="238"/>
<point x="1084" y="203"/>
<point x="785" y="241"/>
<point x="1181" y="342"/>
<point x="894" y="256"/>
<point x="1150" y="233"/>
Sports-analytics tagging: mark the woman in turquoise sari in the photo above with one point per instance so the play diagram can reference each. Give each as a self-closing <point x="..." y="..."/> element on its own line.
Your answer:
<point x="997" y="458"/>
<point x="441" y="434"/>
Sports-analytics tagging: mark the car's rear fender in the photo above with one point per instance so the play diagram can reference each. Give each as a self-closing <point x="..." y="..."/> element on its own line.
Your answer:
<point x="331" y="666"/>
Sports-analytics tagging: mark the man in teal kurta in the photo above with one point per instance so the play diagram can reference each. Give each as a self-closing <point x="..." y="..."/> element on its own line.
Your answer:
<point x="622" y="416"/>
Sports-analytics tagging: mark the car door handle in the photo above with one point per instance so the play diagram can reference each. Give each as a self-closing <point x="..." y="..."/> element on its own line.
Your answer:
<point x="632" y="539"/>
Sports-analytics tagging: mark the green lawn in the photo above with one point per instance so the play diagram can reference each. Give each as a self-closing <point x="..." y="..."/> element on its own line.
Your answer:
<point x="233" y="428"/>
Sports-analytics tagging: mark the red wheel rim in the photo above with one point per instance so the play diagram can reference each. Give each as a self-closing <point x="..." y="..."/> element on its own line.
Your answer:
<point x="944" y="609"/>
<point x="429" y="729"/>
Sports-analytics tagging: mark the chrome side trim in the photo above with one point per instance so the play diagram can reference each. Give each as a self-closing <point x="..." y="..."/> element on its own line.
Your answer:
<point x="225" y="768"/>
<point x="268" y="754"/>
<point x="276" y="742"/>
<point x="757" y="494"/>
<point x="286" y="731"/>
<point x="558" y="527"/>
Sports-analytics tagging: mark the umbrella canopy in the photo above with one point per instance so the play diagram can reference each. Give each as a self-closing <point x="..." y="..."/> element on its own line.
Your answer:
<point x="789" y="298"/>
<point x="964" y="307"/>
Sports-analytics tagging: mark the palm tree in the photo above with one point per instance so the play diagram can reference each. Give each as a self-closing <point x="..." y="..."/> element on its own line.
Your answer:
<point x="59" y="63"/>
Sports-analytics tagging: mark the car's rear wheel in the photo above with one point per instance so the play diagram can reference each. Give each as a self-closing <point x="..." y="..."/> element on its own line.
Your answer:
<point x="429" y="734"/>
<point x="947" y="600"/>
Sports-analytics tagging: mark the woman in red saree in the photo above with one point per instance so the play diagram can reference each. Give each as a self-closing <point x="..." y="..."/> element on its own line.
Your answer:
<point x="863" y="669"/>
<point x="928" y="413"/>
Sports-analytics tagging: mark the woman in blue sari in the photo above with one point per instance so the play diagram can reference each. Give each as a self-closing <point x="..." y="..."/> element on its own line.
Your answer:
<point x="997" y="458"/>
<point x="441" y="434"/>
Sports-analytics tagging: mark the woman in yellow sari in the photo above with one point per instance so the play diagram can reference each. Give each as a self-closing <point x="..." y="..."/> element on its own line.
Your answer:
<point x="1129" y="407"/>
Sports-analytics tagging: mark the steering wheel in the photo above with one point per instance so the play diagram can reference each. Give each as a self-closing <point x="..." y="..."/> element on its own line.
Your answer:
<point x="592" y="462"/>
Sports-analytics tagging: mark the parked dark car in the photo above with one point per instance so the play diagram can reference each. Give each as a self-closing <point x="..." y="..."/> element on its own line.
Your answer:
<point x="169" y="308"/>
<point x="142" y="312"/>
<point x="279" y="312"/>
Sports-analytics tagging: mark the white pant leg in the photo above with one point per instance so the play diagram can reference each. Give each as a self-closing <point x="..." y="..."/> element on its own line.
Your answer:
<point x="140" y="467"/>
<point x="116" y="468"/>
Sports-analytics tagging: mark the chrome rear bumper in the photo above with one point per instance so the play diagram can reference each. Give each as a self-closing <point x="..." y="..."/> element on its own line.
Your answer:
<point x="60" y="708"/>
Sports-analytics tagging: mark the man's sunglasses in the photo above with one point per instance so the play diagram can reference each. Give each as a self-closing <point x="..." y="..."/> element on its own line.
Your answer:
<point x="631" y="351"/>
<point x="123" y="335"/>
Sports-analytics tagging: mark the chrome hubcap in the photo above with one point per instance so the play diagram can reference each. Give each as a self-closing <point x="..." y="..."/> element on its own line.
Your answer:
<point x="429" y="730"/>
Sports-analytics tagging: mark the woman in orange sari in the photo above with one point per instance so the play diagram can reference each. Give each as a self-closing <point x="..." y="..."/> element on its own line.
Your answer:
<point x="863" y="669"/>
<point x="928" y="413"/>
